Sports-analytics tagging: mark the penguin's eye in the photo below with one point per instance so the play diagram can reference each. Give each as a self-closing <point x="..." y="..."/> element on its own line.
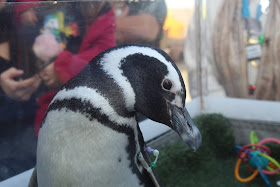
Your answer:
<point x="167" y="84"/>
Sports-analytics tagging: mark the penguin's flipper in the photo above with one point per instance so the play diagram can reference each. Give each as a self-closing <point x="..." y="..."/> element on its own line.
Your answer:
<point x="33" y="180"/>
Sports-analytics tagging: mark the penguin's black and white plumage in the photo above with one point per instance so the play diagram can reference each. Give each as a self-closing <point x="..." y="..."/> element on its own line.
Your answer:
<point x="90" y="135"/>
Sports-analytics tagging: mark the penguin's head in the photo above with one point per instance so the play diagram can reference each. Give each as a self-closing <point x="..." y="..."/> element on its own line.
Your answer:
<point x="154" y="86"/>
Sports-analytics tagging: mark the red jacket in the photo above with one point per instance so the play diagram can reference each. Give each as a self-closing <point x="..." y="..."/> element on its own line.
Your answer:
<point x="100" y="36"/>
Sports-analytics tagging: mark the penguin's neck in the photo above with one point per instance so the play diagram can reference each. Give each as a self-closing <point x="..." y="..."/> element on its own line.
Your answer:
<point x="110" y="102"/>
<point x="95" y="106"/>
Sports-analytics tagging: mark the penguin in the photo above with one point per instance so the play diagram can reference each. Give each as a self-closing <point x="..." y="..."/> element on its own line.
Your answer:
<point x="90" y="134"/>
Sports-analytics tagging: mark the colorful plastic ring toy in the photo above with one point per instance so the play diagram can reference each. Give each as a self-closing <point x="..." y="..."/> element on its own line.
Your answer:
<point x="244" y="180"/>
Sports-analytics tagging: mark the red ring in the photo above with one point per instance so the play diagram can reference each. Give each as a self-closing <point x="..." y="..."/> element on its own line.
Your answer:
<point x="264" y="149"/>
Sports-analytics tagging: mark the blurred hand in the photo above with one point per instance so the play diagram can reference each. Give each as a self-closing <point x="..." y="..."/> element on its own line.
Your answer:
<point x="18" y="90"/>
<point x="29" y="17"/>
<point x="49" y="77"/>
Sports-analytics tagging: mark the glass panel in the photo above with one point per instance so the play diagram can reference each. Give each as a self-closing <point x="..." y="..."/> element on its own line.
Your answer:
<point x="43" y="44"/>
<point x="229" y="49"/>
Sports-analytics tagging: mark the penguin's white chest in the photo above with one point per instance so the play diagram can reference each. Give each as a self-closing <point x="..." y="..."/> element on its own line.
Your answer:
<point x="74" y="151"/>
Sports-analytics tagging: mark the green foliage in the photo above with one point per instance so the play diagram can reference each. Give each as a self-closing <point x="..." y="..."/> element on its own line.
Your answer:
<point x="212" y="165"/>
<point x="217" y="137"/>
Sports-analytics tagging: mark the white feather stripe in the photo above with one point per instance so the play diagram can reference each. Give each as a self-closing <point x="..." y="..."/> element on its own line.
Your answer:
<point x="80" y="152"/>
<point x="97" y="101"/>
<point x="111" y="63"/>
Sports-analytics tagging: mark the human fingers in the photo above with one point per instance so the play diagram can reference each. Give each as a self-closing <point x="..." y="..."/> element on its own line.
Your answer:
<point x="14" y="93"/>
<point x="26" y="83"/>
<point x="25" y="97"/>
<point x="49" y="76"/>
<point x="33" y="84"/>
<point x="42" y="75"/>
<point x="50" y="82"/>
<point x="7" y="82"/>
<point x="47" y="72"/>
<point x="18" y="90"/>
<point x="11" y="73"/>
<point x="25" y="94"/>
<point x="27" y="88"/>
<point x="22" y="95"/>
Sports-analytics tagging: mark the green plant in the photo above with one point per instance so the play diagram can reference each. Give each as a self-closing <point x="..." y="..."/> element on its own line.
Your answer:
<point x="212" y="165"/>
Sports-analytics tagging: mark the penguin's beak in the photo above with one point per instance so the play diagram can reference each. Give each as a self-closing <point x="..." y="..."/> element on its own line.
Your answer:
<point x="185" y="127"/>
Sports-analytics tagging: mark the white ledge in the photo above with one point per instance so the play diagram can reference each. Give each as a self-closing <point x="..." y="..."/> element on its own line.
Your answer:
<point x="243" y="109"/>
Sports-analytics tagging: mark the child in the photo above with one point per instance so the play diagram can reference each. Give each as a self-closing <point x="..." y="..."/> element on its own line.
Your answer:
<point x="98" y="35"/>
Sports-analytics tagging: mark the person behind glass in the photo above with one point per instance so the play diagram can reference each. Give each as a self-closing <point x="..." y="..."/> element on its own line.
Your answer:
<point x="140" y="22"/>
<point x="92" y="34"/>
<point x="20" y="90"/>
<point x="17" y="105"/>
